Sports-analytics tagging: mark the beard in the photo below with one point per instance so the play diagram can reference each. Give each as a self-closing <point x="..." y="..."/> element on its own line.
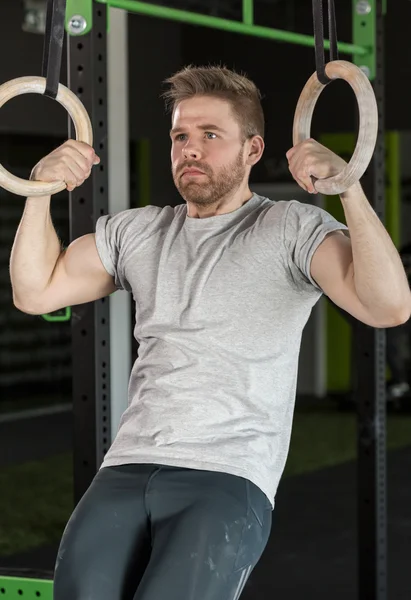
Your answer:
<point x="213" y="186"/>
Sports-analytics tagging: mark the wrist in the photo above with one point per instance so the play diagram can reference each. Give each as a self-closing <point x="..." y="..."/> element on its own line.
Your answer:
<point x="353" y="192"/>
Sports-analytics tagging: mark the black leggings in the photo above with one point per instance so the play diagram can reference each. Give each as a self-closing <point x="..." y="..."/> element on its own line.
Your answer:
<point x="151" y="532"/>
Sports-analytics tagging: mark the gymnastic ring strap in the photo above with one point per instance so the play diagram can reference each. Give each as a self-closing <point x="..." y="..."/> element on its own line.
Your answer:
<point x="319" y="37"/>
<point x="367" y="134"/>
<point x="53" y="45"/>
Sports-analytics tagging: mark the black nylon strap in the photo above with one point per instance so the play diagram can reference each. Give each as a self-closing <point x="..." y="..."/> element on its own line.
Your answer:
<point x="319" y="37"/>
<point x="53" y="45"/>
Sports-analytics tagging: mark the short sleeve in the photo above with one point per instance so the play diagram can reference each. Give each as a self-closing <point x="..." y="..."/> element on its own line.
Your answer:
<point x="305" y="227"/>
<point x="110" y="232"/>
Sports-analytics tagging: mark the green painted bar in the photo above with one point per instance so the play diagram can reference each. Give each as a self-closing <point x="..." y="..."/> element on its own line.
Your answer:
<point x="365" y="34"/>
<point x="248" y="12"/>
<point x="83" y="8"/>
<point x="183" y="16"/>
<point x="16" y="587"/>
<point x="58" y="318"/>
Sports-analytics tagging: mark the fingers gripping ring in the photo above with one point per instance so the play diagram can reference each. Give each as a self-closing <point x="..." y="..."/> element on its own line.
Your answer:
<point x="367" y="135"/>
<point x="78" y="114"/>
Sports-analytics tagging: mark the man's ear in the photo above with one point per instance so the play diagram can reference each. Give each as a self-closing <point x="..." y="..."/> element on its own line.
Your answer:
<point x="255" y="147"/>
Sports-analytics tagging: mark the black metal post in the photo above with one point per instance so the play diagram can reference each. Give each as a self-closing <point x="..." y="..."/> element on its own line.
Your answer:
<point x="370" y="393"/>
<point x="87" y="75"/>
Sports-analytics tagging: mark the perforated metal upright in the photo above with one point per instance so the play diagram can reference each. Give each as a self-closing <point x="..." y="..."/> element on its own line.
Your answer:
<point x="370" y="394"/>
<point x="87" y="74"/>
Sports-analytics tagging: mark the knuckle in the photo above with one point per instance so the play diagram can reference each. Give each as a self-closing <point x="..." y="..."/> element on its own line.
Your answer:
<point x="69" y="144"/>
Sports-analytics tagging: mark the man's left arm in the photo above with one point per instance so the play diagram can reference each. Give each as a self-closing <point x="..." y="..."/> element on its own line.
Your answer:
<point x="363" y="274"/>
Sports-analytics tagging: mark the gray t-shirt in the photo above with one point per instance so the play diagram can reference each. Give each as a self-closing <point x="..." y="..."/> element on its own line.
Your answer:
<point x="221" y="304"/>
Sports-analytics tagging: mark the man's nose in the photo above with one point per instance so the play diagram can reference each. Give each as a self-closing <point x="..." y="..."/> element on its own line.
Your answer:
<point x="192" y="150"/>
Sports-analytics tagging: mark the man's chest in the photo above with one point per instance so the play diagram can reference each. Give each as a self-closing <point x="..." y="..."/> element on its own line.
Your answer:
<point x="213" y="283"/>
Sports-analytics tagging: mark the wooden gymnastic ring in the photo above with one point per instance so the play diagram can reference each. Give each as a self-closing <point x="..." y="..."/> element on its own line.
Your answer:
<point x="78" y="114"/>
<point x="367" y="135"/>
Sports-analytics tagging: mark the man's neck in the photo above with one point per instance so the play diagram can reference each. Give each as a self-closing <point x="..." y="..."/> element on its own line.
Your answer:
<point x="222" y="206"/>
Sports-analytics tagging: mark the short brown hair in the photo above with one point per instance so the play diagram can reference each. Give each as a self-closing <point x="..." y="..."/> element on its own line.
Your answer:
<point x="220" y="82"/>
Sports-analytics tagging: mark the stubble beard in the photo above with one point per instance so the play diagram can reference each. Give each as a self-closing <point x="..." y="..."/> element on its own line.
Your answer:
<point x="213" y="187"/>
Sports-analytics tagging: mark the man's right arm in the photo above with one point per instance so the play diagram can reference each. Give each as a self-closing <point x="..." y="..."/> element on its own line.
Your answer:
<point x="45" y="277"/>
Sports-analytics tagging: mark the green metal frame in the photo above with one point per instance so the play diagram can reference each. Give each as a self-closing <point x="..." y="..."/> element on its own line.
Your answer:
<point x="246" y="26"/>
<point x="364" y="33"/>
<point x="62" y="317"/>
<point x="16" y="587"/>
<point x="83" y="8"/>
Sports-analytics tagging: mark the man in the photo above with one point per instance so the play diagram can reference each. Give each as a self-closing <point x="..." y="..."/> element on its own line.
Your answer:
<point x="223" y="284"/>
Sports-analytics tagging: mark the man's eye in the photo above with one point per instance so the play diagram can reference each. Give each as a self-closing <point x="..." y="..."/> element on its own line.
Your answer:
<point x="209" y="134"/>
<point x="180" y="137"/>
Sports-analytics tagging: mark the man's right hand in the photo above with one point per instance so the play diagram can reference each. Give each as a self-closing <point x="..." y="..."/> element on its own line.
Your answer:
<point x="71" y="162"/>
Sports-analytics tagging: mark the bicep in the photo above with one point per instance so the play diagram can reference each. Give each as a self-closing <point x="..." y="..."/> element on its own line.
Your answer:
<point x="78" y="277"/>
<point x="332" y="269"/>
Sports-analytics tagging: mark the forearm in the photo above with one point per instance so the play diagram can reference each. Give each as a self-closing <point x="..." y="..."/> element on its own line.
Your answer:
<point x="34" y="254"/>
<point x="379" y="277"/>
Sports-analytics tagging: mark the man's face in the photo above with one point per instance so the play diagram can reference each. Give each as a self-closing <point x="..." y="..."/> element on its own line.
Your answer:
<point x="207" y="153"/>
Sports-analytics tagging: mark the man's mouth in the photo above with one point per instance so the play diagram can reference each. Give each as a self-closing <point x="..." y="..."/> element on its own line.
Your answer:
<point x="192" y="172"/>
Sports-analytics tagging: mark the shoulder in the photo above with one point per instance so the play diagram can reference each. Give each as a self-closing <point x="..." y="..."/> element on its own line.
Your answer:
<point x="291" y="210"/>
<point x="275" y="213"/>
<point x="143" y="214"/>
<point x="294" y="220"/>
<point x="135" y="219"/>
<point x="286" y="208"/>
<point x="302" y="215"/>
<point x="267" y="209"/>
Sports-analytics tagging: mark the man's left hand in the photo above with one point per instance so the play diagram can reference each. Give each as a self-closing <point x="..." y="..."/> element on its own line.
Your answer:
<point x="311" y="159"/>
